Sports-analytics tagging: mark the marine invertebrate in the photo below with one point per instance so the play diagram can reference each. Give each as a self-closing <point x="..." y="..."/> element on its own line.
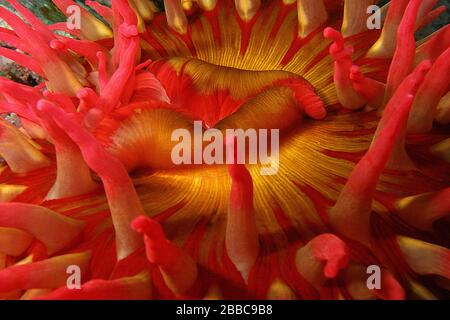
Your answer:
<point x="363" y="177"/>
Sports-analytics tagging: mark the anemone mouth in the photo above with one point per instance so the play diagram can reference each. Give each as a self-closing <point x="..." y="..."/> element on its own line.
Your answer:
<point x="220" y="98"/>
<point x="346" y="193"/>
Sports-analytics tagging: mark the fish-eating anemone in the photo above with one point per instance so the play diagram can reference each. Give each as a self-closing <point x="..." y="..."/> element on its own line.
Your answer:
<point x="363" y="180"/>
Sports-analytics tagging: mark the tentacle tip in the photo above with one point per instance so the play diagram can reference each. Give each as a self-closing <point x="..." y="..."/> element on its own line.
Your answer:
<point x="57" y="45"/>
<point x="317" y="112"/>
<point x="331" y="270"/>
<point x="148" y="227"/>
<point x="43" y="105"/>
<point x="85" y="93"/>
<point x="140" y="224"/>
<point x="355" y="72"/>
<point x="333" y="266"/>
<point x="333" y="251"/>
<point x="82" y="94"/>
<point x="128" y="30"/>
<point x="330" y="33"/>
<point x="425" y="65"/>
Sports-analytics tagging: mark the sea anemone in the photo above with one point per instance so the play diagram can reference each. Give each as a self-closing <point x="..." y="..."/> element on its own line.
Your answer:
<point x="88" y="183"/>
